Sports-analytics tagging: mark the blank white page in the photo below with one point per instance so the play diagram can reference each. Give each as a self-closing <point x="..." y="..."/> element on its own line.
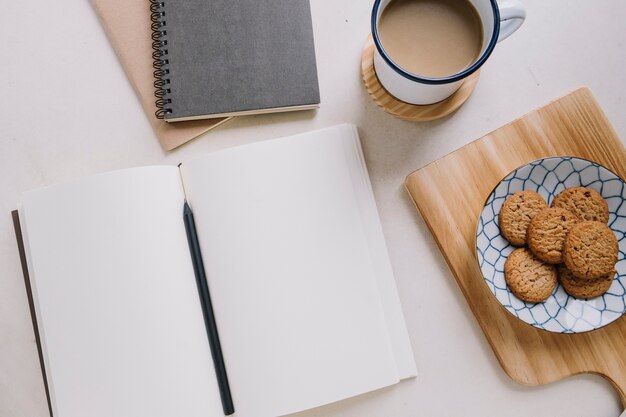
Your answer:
<point x="401" y="344"/>
<point x="294" y="286"/>
<point x="118" y="309"/>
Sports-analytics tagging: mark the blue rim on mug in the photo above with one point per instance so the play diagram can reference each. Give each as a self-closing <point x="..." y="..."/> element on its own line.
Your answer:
<point x="443" y="80"/>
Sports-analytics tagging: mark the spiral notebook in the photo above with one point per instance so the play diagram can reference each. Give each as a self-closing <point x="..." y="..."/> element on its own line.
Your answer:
<point x="225" y="58"/>
<point x="296" y="264"/>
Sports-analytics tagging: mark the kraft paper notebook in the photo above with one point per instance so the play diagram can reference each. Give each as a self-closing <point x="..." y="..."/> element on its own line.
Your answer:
<point x="303" y="292"/>
<point x="128" y="26"/>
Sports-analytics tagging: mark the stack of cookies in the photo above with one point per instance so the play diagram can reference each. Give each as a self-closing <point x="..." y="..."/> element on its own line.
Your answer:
<point x="568" y="242"/>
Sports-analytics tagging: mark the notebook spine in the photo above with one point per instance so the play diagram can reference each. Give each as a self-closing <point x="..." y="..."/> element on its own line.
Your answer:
<point x="160" y="60"/>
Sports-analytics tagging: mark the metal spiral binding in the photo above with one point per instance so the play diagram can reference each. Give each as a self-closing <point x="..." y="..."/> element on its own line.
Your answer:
<point x="159" y="58"/>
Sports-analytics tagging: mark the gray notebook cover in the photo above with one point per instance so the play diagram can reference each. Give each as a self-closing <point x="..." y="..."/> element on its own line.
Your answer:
<point x="228" y="57"/>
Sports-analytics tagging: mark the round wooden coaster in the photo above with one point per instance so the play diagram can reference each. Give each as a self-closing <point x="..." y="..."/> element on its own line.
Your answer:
<point x="401" y="109"/>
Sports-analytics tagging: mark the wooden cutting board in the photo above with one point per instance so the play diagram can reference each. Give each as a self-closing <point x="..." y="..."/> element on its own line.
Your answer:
<point x="450" y="193"/>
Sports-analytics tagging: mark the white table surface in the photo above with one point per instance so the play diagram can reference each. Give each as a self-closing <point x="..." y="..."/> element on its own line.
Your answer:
<point x="67" y="110"/>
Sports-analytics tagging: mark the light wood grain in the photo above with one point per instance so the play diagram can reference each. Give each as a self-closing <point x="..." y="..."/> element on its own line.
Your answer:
<point x="450" y="194"/>
<point x="401" y="109"/>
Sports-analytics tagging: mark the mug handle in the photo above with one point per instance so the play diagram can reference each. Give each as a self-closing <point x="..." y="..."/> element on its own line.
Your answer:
<point x="512" y="15"/>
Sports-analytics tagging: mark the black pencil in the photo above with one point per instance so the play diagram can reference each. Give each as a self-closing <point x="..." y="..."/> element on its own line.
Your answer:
<point x="207" y="311"/>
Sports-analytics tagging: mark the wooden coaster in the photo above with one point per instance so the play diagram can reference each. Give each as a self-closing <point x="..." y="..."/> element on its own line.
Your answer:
<point x="404" y="110"/>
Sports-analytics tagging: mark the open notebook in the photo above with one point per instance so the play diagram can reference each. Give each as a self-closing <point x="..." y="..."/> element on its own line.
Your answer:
<point x="302" y="288"/>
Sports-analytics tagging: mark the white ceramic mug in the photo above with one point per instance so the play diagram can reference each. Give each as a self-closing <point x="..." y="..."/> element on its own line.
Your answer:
<point x="498" y="20"/>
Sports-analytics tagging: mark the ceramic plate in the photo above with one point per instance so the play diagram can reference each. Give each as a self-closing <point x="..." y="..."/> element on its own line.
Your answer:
<point x="560" y="313"/>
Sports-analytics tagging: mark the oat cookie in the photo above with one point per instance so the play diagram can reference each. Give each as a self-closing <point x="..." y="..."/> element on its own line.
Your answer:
<point x="516" y="214"/>
<point x="547" y="232"/>
<point x="529" y="278"/>
<point x="586" y="203"/>
<point x="584" y="288"/>
<point x="591" y="250"/>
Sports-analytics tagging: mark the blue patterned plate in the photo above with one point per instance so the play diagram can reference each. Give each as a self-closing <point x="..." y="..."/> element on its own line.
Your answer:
<point x="560" y="313"/>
